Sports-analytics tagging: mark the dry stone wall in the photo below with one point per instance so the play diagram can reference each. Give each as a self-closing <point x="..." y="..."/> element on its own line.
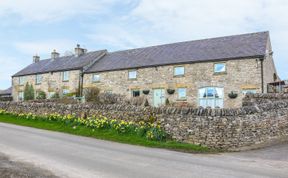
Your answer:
<point x="263" y="121"/>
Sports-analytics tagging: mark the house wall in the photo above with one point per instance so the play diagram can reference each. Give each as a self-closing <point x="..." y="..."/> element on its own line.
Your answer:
<point x="240" y="74"/>
<point x="269" y="67"/>
<point x="51" y="82"/>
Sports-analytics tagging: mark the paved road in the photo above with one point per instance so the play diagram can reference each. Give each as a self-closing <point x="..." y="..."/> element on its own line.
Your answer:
<point x="73" y="156"/>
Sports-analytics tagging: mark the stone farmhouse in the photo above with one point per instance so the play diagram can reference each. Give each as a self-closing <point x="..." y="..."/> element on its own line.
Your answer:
<point x="214" y="72"/>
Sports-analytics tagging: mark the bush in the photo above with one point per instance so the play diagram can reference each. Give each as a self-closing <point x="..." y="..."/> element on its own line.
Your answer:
<point x="55" y="96"/>
<point x="41" y="95"/>
<point x="29" y="92"/>
<point x="91" y="94"/>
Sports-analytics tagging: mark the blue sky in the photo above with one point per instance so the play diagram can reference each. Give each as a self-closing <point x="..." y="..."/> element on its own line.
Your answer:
<point x="32" y="26"/>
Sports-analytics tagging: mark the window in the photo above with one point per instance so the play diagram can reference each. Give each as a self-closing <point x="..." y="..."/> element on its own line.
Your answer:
<point x="51" y="94"/>
<point x="248" y="91"/>
<point x="135" y="93"/>
<point x="211" y="97"/>
<point x="179" y="71"/>
<point x="65" y="91"/>
<point x="132" y="74"/>
<point x="65" y="76"/>
<point x="38" y="79"/>
<point x="219" y="68"/>
<point x="21" y="80"/>
<point x="181" y="93"/>
<point x="95" y="78"/>
<point x="20" y="95"/>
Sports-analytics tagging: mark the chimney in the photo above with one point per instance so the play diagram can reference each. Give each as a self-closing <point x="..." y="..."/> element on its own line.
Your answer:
<point x="36" y="58"/>
<point x="79" y="51"/>
<point x="54" y="55"/>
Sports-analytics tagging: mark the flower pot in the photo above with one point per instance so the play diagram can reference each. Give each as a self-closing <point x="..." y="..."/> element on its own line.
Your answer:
<point x="146" y="92"/>
<point x="170" y="91"/>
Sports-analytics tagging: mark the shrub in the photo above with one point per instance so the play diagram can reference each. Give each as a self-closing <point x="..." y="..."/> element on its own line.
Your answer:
<point x="167" y="102"/>
<point x="41" y="95"/>
<point x="91" y="94"/>
<point x="28" y="92"/>
<point x="55" y="96"/>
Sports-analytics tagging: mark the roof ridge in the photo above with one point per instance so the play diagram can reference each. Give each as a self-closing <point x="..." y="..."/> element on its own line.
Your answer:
<point x="204" y="39"/>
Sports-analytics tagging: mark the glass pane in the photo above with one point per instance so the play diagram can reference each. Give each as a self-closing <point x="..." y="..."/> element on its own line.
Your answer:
<point x="219" y="68"/>
<point x="219" y="93"/>
<point x="179" y="71"/>
<point x="96" y="77"/>
<point x="210" y="92"/>
<point x="135" y="93"/>
<point x="182" y="93"/>
<point x="132" y="74"/>
<point x="202" y="93"/>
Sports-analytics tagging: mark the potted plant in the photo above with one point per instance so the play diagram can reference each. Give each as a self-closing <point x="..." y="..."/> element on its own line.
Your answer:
<point x="170" y="91"/>
<point x="146" y="92"/>
<point x="232" y="95"/>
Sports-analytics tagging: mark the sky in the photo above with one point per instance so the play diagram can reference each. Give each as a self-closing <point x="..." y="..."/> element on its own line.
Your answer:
<point x="38" y="27"/>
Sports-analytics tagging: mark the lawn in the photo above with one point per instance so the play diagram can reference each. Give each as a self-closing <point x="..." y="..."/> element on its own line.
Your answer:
<point x="103" y="134"/>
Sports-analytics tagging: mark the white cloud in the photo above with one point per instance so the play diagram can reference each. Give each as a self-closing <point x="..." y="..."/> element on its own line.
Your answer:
<point x="53" y="10"/>
<point x="191" y="19"/>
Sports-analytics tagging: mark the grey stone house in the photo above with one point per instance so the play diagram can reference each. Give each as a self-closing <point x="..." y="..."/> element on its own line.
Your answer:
<point x="6" y="95"/>
<point x="214" y="72"/>
<point x="199" y="73"/>
<point x="57" y="74"/>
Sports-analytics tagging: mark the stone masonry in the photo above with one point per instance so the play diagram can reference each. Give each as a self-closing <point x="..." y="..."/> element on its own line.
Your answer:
<point x="253" y="125"/>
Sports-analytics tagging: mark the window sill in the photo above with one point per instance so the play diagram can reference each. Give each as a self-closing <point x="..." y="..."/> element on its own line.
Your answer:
<point x="96" y="82"/>
<point x="220" y="73"/>
<point x="184" y="99"/>
<point x="178" y="76"/>
<point x="37" y="83"/>
<point x="65" y="80"/>
<point x="132" y="79"/>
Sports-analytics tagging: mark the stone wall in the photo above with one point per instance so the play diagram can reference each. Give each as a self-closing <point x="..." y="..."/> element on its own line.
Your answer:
<point x="240" y="74"/>
<point x="251" y="126"/>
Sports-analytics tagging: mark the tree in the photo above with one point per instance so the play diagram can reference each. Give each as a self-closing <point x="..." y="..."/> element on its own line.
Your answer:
<point x="28" y="92"/>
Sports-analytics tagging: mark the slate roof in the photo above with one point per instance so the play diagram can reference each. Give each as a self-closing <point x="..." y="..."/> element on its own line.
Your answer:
<point x="60" y="64"/>
<point x="6" y="92"/>
<point x="221" y="48"/>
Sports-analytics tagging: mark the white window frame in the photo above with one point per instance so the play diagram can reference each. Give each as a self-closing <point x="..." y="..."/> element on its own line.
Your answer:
<point x="136" y="90"/>
<point x="222" y="71"/>
<point x="98" y="78"/>
<point x="214" y="99"/>
<point x="22" y="80"/>
<point x="38" y="78"/>
<point x="250" y="91"/>
<point x="50" y="94"/>
<point x="184" y="97"/>
<point x="180" y="69"/>
<point x="65" y="76"/>
<point x="132" y="74"/>
<point x="21" y="95"/>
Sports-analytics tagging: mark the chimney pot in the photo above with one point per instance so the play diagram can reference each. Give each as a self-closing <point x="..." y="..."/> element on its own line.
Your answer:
<point x="54" y="54"/>
<point x="36" y="58"/>
<point x="79" y="51"/>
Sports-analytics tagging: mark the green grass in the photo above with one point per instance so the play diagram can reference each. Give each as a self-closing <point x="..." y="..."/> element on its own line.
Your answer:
<point x="104" y="134"/>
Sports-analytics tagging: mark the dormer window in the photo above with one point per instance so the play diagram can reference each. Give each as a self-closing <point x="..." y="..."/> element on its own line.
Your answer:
<point x="65" y="76"/>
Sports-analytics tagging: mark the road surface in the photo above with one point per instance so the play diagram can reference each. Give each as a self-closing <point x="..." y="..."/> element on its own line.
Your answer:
<point x="74" y="156"/>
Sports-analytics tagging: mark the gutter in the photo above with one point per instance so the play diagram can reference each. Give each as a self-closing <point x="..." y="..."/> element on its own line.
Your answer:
<point x="262" y="74"/>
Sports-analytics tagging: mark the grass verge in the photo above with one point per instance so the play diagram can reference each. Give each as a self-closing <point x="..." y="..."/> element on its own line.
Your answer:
<point x="104" y="134"/>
